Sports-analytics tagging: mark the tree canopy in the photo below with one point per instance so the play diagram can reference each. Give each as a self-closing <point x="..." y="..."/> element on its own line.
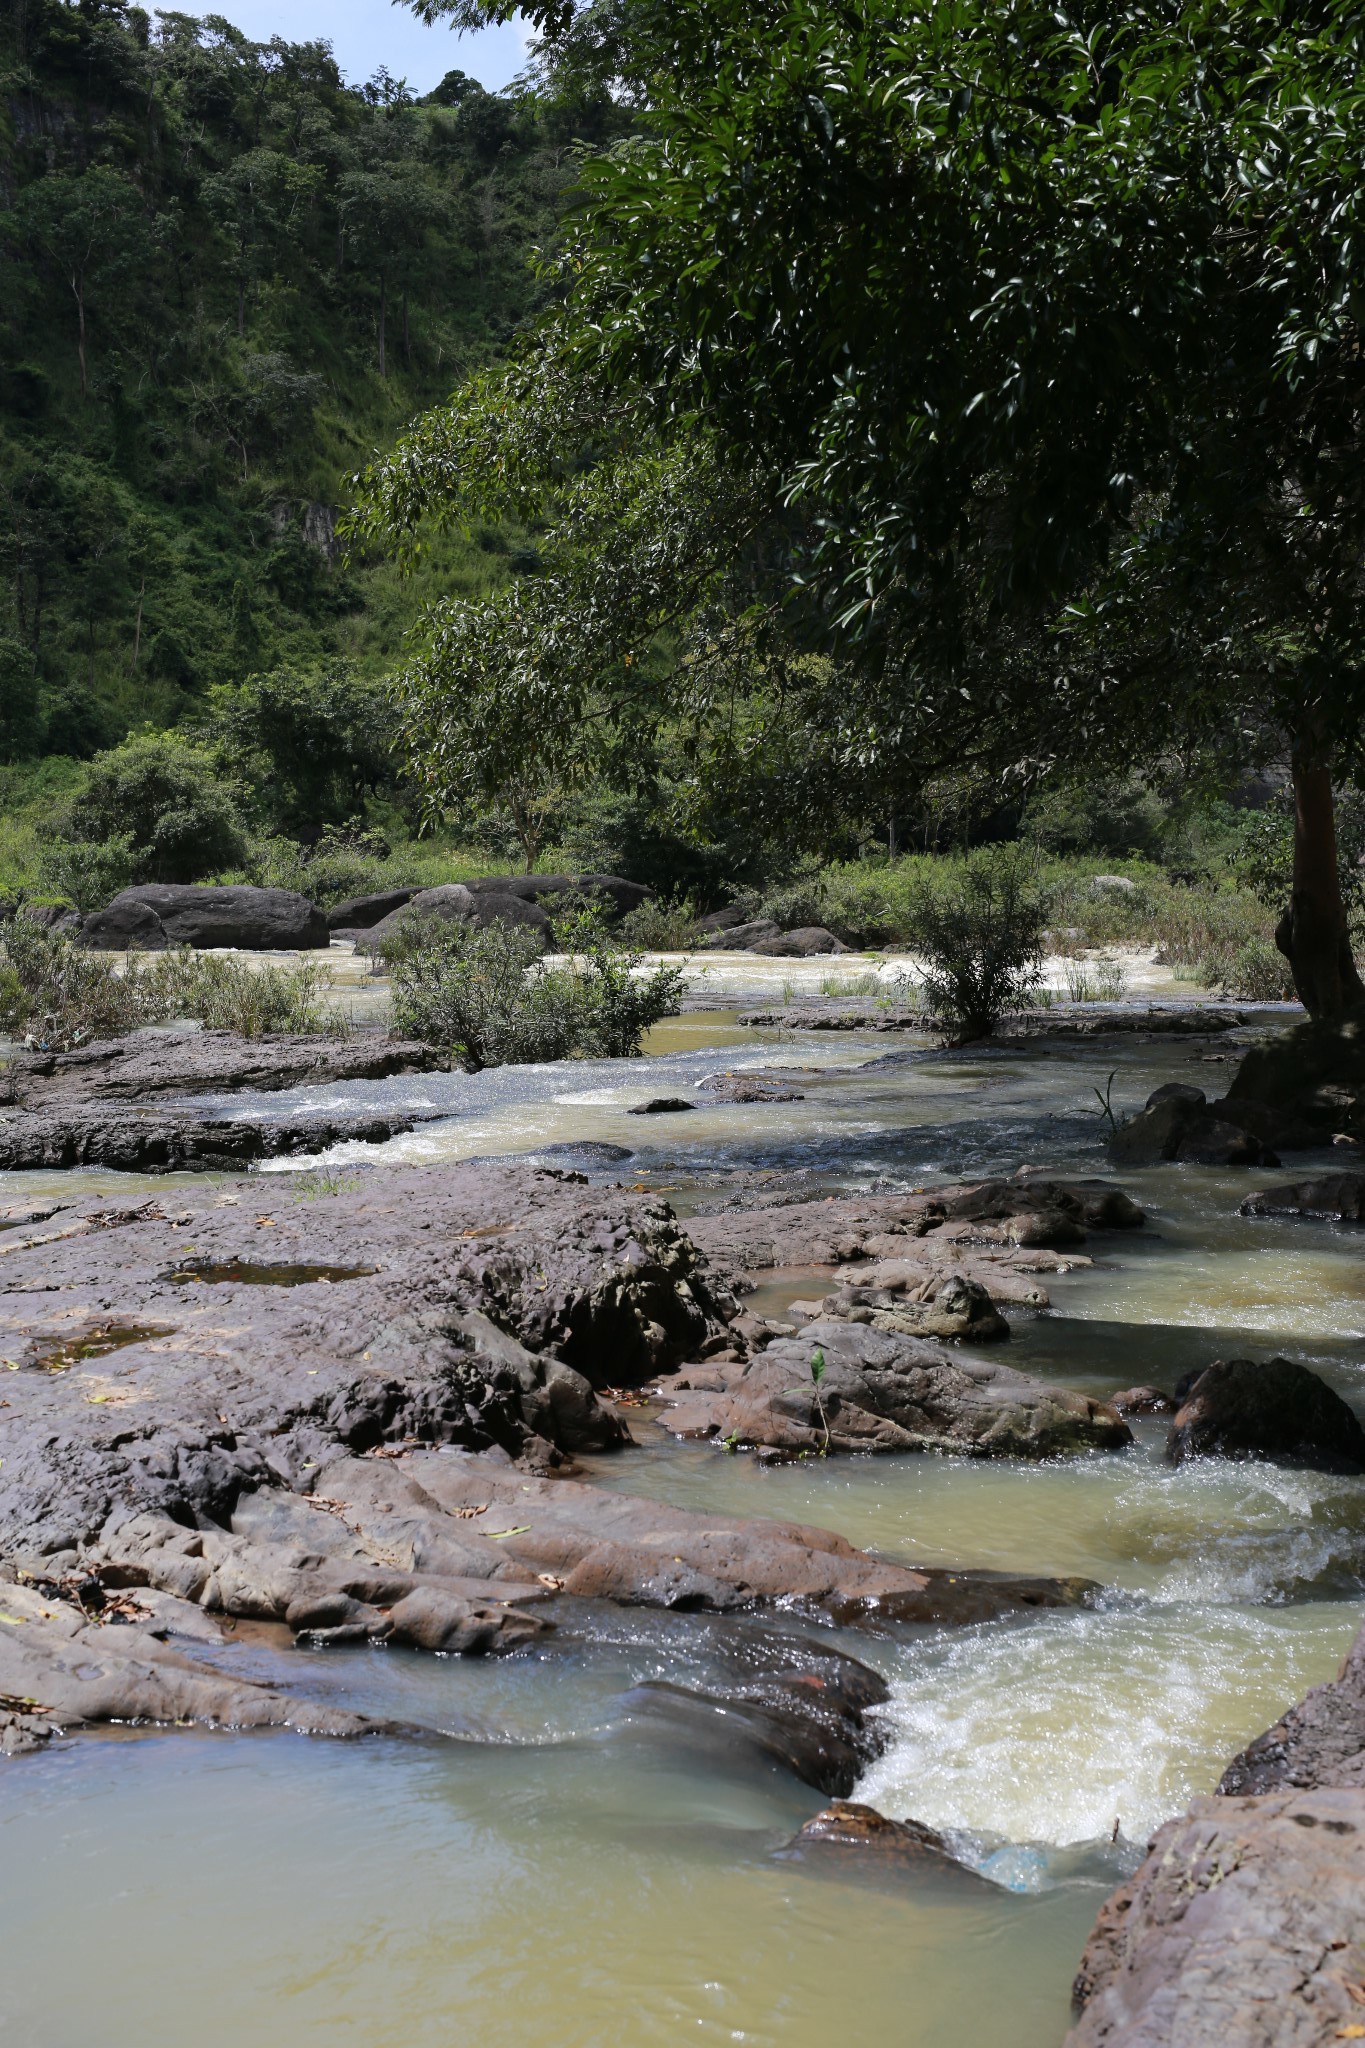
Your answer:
<point x="1006" y="360"/>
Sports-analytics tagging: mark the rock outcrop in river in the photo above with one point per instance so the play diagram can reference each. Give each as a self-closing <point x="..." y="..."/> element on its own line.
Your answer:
<point x="333" y="1413"/>
<point x="1243" y="1927"/>
<point x="882" y="1392"/>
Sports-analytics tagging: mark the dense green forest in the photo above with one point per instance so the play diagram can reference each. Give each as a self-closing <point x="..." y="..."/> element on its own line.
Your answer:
<point x="226" y="279"/>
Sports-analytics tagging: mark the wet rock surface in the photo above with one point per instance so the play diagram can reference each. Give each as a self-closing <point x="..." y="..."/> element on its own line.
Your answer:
<point x="127" y="1140"/>
<point x="1275" y="1409"/>
<point x="879" y="1391"/>
<point x="1242" y="1929"/>
<point x="1245" y="1924"/>
<point x="1083" y="1020"/>
<point x="996" y="1236"/>
<point x="855" y="1840"/>
<point x="490" y="1287"/>
<point x="1314" y="1074"/>
<point x="152" y="1063"/>
<point x="1335" y="1197"/>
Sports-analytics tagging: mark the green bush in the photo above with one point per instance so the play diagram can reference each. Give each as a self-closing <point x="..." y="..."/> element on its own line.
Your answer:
<point x="312" y="743"/>
<point x="1257" y="973"/>
<point x="661" y="927"/>
<point x="981" y="936"/>
<point x="87" y="873"/>
<point x="55" y="992"/>
<point x="169" y="798"/>
<point x="486" y="995"/>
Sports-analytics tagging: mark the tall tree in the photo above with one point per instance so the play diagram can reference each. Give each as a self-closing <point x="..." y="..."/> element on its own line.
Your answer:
<point x="1046" y="324"/>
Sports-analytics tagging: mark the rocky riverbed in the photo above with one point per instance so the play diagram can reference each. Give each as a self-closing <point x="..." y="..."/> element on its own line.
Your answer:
<point x="523" y="1470"/>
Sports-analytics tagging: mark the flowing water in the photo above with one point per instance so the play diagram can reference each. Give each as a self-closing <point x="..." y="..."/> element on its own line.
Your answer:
<point x="571" y="1869"/>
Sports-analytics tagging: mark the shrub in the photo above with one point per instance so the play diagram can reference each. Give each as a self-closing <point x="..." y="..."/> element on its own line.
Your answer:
<point x="346" y="861"/>
<point x="615" y="1005"/>
<point x="88" y="873"/>
<point x="1257" y="973"/>
<point x="169" y="798"/>
<point x="661" y="927"/>
<point x="486" y="995"/>
<point x="55" y="992"/>
<point x="982" y="940"/>
<point x="313" y="743"/>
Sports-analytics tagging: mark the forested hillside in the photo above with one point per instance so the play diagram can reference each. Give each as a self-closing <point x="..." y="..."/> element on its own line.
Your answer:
<point x="225" y="278"/>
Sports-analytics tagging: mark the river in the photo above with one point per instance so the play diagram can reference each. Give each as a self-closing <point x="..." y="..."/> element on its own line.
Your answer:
<point x="571" y="1870"/>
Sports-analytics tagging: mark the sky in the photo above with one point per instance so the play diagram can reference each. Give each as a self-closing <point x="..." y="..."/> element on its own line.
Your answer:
<point x="367" y="33"/>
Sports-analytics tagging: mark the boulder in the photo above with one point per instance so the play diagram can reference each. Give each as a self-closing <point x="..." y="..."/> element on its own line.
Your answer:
<point x="1277" y="1410"/>
<point x="126" y="926"/>
<point x="54" y="917"/>
<point x="257" y="920"/>
<point x="742" y="938"/>
<point x="661" y="1105"/>
<point x="1178" y="1123"/>
<point x="610" y="890"/>
<point x="1316" y="1071"/>
<point x="1113" y="885"/>
<point x="1339" y="1197"/>
<point x="1142" y="1401"/>
<point x="454" y="903"/>
<point x="802" y="944"/>
<point x="1243" y="1929"/>
<point x="856" y="1840"/>
<point x="880" y="1391"/>
<point x="724" y="920"/>
<point x="361" y="913"/>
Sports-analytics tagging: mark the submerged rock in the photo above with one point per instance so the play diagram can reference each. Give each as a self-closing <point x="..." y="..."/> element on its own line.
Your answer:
<point x="1338" y="1197"/>
<point x="883" y="1392"/>
<point x="661" y="1105"/>
<point x="1142" y="1401"/>
<point x="1239" y="1408"/>
<point x="856" y="1840"/>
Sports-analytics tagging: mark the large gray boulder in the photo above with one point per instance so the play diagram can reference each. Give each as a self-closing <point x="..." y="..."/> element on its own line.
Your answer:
<point x="1179" y="1123"/>
<point x="257" y="920"/>
<point x="359" y="913"/>
<point x="457" y="903"/>
<point x="880" y="1391"/>
<point x="611" y="890"/>
<point x="804" y="943"/>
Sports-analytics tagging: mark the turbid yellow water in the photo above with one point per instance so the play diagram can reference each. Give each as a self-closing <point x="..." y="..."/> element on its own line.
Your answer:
<point x="572" y="1871"/>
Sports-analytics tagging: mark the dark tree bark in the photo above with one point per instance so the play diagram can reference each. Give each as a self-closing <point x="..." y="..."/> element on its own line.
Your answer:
<point x="1313" y="934"/>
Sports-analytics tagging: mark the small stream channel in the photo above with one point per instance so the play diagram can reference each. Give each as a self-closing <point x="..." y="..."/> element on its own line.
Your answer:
<point x="573" y="1872"/>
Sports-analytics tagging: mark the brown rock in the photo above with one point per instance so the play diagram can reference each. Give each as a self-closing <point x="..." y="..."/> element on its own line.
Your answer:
<point x="1240" y="1408"/>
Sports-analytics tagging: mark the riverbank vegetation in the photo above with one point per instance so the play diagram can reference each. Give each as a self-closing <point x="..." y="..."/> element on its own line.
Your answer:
<point x="658" y="625"/>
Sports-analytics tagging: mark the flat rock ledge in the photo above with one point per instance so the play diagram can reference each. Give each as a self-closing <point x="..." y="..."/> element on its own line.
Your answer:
<point x="879" y="1391"/>
<point x="355" y="1417"/>
<point x="156" y="1062"/>
<point x="1079" y="1020"/>
<point x="991" y="1240"/>
<point x="128" y="1140"/>
<point x="1245" y="1925"/>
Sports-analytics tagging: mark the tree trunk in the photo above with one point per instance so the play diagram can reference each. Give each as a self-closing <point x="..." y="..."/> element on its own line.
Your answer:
<point x="241" y="306"/>
<point x="1313" y="934"/>
<point x="383" y="308"/>
<point x="78" y="287"/>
